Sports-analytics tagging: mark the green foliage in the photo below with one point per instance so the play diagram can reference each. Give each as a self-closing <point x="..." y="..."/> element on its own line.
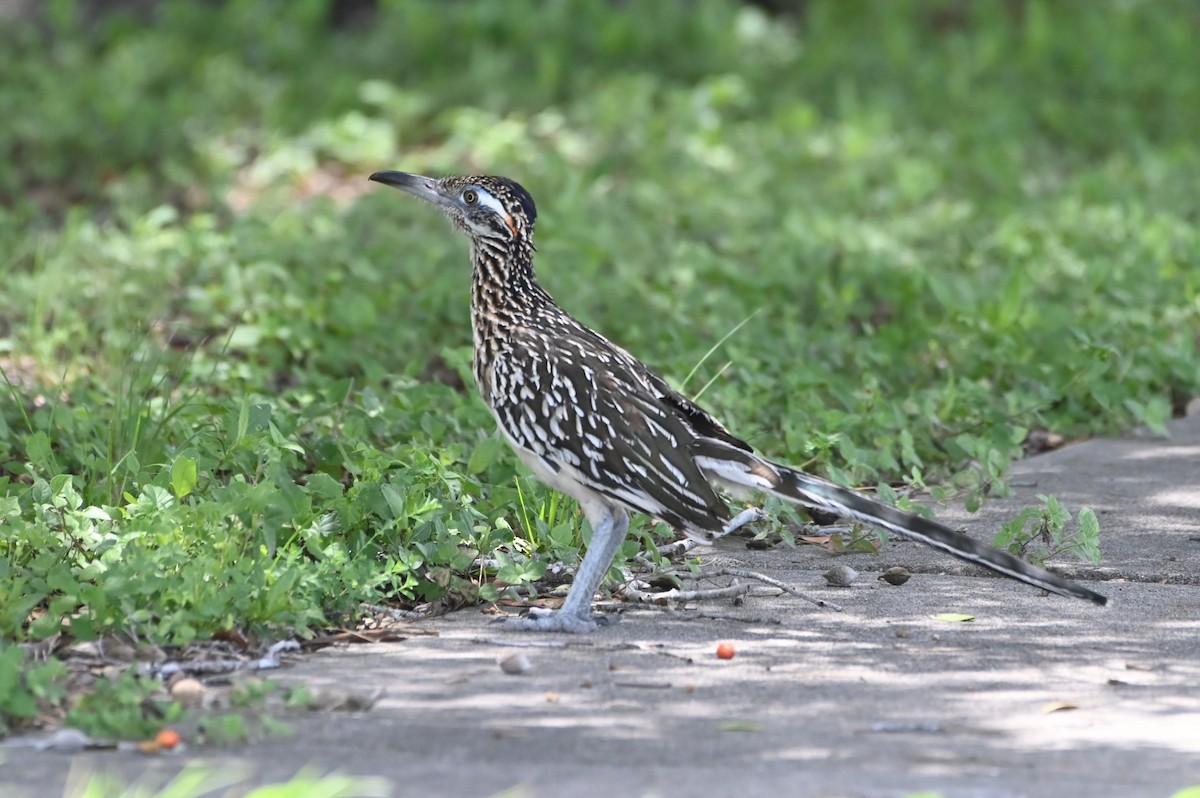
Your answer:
<point x="200" y="780"/>
<point x="885" y="243"/>
<point x="27" y="690"/>
<point x="1047" y="526"/>
<point x="127" y="707"/>
<point x="124" y="707"/>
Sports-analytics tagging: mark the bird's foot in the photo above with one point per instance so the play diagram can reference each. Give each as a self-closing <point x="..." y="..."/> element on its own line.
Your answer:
<point x="542" y="620"/>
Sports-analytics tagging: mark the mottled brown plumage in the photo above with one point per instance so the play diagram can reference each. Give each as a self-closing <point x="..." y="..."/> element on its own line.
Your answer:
<point x="592" y="421"/>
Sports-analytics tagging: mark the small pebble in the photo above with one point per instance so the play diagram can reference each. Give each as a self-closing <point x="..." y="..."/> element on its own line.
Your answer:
<point x="841" y="576"/>
<point x="896" y="576"/>
<point x="516" y="664"/>
<point x="188" y="691"/>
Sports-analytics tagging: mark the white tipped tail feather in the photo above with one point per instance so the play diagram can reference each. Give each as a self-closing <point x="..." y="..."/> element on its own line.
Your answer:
<point x="727" y="465"/>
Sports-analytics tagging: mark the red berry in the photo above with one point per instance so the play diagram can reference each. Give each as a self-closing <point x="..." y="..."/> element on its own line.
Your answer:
<point x="167" y="738"/>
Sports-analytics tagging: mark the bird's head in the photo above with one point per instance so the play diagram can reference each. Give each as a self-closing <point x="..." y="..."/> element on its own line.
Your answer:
<point x="489" y="208"/>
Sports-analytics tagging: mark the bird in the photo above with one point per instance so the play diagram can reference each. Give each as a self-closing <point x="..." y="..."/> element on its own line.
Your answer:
<point x="593" y="422"/>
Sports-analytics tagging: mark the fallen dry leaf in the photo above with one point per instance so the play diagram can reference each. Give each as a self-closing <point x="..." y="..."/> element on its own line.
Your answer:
<point x="236" y="637"/>
<point x="954" y="617"/>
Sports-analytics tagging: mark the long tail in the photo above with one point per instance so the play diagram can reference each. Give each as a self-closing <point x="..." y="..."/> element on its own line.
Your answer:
<point x="746" y="470"/>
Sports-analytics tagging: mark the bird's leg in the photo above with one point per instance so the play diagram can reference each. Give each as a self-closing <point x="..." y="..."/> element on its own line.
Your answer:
<point x="575" y="615"/>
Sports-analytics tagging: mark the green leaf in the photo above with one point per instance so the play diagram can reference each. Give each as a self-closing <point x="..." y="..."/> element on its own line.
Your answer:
<point x="1088" y="547"/>
<point x="395" y="501"/>
<point x="1089" y="525"/>
<point x="1187" y="792"/>
<point x="10" y="507"/>
<point x="38" y="450"/>
<point x="154" y="498"/>
<point x="183" y="476"/>
<point x="953" y="617"/>
<point x="485" y="453"/>
<point x="1056" y="515"/>
<point x="324" y="487"/>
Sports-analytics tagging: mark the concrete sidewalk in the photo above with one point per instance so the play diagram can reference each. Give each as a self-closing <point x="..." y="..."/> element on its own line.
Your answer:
<point x="878" y="700"/>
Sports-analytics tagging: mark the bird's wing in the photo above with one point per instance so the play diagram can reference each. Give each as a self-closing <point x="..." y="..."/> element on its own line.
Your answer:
<point x="704" y="423"/>
<point x="581" y="408"/>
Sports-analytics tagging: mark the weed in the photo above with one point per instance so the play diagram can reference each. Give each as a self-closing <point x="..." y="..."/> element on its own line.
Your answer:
<point x="1039" y="533"/>
<point x="127" y="706"/>
<point x="28" y="691"/>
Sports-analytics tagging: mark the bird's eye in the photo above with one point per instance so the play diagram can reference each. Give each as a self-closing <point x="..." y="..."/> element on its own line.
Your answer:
<point x="470" y="196"/>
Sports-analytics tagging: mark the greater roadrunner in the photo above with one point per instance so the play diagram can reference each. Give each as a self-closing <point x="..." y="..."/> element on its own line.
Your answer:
<point x="593" y="422"/>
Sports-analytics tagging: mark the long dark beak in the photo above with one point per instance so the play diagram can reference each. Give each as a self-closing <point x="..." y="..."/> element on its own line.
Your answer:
<point x="418" y="185"/>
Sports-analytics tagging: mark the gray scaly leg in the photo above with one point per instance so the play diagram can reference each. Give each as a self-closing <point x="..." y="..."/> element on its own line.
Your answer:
<point x="575" y="615"/>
